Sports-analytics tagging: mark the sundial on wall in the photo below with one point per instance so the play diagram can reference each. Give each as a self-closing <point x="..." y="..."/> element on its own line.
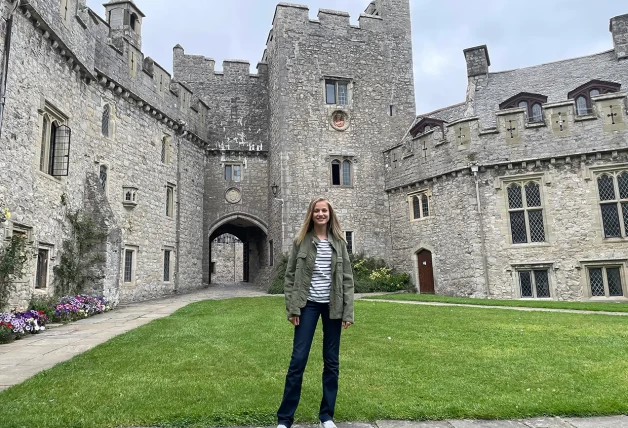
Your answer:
<point x="233" y="195"/>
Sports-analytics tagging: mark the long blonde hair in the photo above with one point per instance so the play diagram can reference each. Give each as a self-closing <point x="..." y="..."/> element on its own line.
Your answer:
<point x="333" y="226"/>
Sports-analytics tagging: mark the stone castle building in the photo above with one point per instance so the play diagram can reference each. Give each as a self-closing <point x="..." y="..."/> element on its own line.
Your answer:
<point x="517" y="192"/>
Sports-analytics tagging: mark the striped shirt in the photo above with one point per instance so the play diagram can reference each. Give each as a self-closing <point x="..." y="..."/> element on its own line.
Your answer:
<point x="321" y="275"/>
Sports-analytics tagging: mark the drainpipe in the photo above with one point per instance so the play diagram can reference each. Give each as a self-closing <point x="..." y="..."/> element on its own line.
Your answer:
<point x="177" y="254"/>
<point x="474" y="169"/>
<point x="5" y="64"/>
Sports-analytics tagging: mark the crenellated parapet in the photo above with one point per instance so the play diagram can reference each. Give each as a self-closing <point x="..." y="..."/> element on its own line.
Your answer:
<point x="560" y="132"/>
<point x="111" y="56"/>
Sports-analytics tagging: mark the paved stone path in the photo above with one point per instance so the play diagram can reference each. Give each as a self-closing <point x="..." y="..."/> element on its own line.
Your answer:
<point x="26" y="357"/>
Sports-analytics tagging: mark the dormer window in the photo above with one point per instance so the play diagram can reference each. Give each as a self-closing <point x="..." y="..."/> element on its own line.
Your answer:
<point x="426" y="124"/>
<point x="582" y="94"/>
<point x="532" y="103"/>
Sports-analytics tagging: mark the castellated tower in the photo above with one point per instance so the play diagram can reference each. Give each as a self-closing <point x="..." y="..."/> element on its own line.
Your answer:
<point x="125" y="21"/>
<point x="339" y="94"/>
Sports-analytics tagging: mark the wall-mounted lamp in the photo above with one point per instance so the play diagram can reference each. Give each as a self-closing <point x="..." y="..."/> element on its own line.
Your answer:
<point x="274" y="188"/>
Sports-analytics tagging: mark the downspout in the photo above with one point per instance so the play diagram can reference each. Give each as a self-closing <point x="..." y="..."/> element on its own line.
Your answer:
<point x="5" y="64"/>
<point x="474" y="169"/>
<point x="177" y="253"/>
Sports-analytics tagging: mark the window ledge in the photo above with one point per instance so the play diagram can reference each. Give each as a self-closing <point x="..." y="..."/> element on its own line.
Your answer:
<point x="531" y="245"/>
<point x="49" y="177"/>
<point x="615" y="240"/>
<point x="584" y="117"/>
<point x="421" y="219"/>
<point x="129" y="204"/>
<point x="336" y="186"/>
<point x="535" y="124"/>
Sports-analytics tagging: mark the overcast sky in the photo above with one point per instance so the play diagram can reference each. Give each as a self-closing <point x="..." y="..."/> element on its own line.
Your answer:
<point x="517" y="33"/>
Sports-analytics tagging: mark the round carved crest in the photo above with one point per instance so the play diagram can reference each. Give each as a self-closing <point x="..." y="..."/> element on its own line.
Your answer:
<point x="233" y="195"/>
<point x="339" y="120"/>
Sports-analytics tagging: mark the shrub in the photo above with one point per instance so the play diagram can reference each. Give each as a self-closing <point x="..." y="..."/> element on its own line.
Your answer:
<point x="369" y="275"/>
<point x="13" y="261"/>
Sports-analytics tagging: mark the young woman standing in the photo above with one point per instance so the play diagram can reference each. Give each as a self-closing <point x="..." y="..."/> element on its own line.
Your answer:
<point x="318" y="283"/>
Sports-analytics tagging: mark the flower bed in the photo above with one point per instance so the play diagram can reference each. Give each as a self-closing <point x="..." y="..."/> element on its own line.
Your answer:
<point x="14" y="325"/>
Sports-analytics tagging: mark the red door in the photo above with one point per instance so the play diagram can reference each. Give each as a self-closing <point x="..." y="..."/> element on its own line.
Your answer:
<point x="426" y="274"/>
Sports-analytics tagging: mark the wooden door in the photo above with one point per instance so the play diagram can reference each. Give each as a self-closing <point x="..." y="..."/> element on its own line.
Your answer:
<point x="426" y="273"/>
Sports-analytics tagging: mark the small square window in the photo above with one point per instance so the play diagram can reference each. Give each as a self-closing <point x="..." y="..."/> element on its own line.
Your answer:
<point x="233" y="173"/>
<point x="336" y="92"/>
<point x="534" y="284"/>
<point x="605" y="281"/>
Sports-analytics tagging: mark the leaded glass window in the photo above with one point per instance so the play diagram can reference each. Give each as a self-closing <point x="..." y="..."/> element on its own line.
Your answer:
<point x="534" y="283"/>
<point x="167" y="265"/>
<point x="613" y="196"/>
<point x="105" y="120"/>
<point x="526" y="212"/>
<point x="336" y="92"/>
<point x="605" y="281"/>
<point x="581" y="106"/>
<point x="420" y="206"/>
<point x="128" y="265"/>
<point x="537" y="113"/>
<point x="346" y="173"/>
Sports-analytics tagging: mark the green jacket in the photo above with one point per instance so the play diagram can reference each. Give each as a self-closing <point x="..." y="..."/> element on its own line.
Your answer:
<point x="299" y="277"/>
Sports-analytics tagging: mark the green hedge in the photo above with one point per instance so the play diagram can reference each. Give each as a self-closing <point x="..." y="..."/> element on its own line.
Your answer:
<point x="369" y="274"/>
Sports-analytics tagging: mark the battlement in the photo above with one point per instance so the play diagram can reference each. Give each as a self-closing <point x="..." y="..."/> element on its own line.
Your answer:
<point x="516" y="139"/>
<point x="333" y="18"/>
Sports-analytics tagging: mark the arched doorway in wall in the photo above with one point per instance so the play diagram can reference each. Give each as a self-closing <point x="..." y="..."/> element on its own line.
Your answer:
<point x="236" y="246"/>
<point x="425" y="272"/>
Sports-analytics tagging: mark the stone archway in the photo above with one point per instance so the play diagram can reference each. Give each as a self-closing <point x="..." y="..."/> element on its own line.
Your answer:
<point x="251" y="231"/>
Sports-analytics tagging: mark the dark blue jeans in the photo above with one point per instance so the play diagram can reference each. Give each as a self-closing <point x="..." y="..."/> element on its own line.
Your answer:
<point x="303" y="335"/>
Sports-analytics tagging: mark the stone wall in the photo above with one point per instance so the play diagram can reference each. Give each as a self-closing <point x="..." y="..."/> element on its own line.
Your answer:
<point x="376" y="59"/>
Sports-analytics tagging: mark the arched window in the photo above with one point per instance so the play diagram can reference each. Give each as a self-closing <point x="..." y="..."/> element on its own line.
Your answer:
<point x="427" y="128"/>
<point x="346" y="173"/>
<point x="583" y="93"/>
<point x="524" y="105"/>
<point x="581" y="105"/>
<point x="106" y="113"/>
<point x="103" y="177"/>
<point x="420" y="206"/>
<point x="537" y="113"/>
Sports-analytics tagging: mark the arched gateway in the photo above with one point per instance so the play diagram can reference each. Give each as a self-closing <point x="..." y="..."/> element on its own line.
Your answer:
<point x="249" y="229"/>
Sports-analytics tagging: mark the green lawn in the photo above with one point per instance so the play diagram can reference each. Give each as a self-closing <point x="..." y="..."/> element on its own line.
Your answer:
<point x="550" y="304"/>
<point x="220" y="363"/>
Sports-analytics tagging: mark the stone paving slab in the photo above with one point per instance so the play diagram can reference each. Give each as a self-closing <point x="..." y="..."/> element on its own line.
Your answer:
<point x="601" y="422"/>
<point x="547" y="423"/>
<point x="411" y="424"/>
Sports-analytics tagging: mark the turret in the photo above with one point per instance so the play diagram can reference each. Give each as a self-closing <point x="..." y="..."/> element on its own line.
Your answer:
<point x="619" y="29"/>
<point x="125" y="21"/>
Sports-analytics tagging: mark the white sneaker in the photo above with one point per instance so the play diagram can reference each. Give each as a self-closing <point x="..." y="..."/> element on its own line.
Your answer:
<point x="281" y="426"/>
<point x="328" y="424"/>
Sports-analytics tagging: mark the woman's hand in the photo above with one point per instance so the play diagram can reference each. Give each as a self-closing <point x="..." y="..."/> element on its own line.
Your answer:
<point x="346" y="324"/>
<point x="294" y="321"/>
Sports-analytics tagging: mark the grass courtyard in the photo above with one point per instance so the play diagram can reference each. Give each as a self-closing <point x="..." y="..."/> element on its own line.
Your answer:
<point x="220" y="363"/>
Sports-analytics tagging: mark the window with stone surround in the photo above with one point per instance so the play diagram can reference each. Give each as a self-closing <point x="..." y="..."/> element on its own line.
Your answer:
<point x="534" y="283"/>
<point x="349" y="239"/>
<point x="341" y="172"/>
<point x="43" y="263"/>
<point x="582" y="94"/>
<point x="612" y="189"/>
<point x="525" y="211"/>
<point x="129" y="196"/>
<point x="419" y="205"/>
<point x="167" y="264"/>
<point x="170" y="200"/>
<point x="337" y="91"/>
<point x="129" y="265"/>
<point x="64" y="9"/>
<point x="271" y="253"/>
<point x="233" y="172"/>
<point x="54" y="141"/>
<point x="530" y="102"/>
<point x="103" y="176"/>
<point x="166" y="149"/>
<point x="605" y="280"/>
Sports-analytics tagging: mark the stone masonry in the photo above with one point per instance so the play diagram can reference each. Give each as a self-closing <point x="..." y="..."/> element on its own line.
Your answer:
<point x="169" y="164"/>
